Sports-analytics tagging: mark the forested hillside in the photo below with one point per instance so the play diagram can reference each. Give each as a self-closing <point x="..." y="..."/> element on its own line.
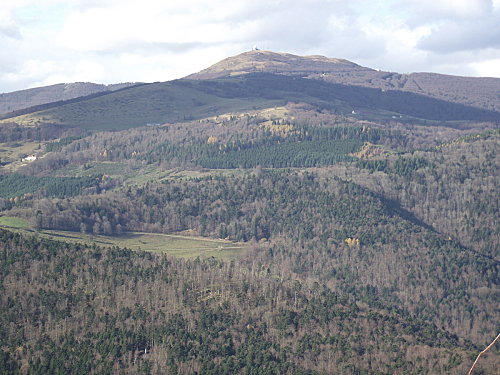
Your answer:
<point x="70" y="309"/>
<point x="453" y="188"/>
<point x="333" y="231"/>
<point x="326" y="227"/>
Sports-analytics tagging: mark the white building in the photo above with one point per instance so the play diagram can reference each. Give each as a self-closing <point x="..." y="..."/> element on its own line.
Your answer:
<point x="30" y="158"/>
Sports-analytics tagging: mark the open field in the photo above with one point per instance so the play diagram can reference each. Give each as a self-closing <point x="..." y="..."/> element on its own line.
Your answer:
<point x="176" y="245"/>
<point x="11" y="153"/>
<point x="139" y="176"/>
<point x="14" y="222"/>
<point x="108" y="168"/>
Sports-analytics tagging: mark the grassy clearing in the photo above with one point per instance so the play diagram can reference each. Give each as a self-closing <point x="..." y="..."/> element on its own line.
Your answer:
<point x="11" y="153"/>
<point x="105" y="168"/>
<point x="176" y="245"/>
<point x="112" y="169"/>
<point x="153" y="174"/>
<point x="186" y="174"/>
<point x="180" y="246"/>
<point x="13" y="222"/>
<point x="149" y="173"/>
<point x="141" y="176"/>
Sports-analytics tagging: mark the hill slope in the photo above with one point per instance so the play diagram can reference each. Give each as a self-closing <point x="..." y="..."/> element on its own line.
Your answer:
<point x="16" y="100"/>
<point x="367" y="221"/>
<point x="471" y="91"/>
<point x="87" y="310"/>
<point x="183" y="100"/>
<point x="262" y="79"/>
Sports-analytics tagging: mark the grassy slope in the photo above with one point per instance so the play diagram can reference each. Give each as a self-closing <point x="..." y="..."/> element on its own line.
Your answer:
<point x="138" y="176"/>
<point x="182" y="100"/>
<point x="148" y="104"/>
<point x="14" y="222"/>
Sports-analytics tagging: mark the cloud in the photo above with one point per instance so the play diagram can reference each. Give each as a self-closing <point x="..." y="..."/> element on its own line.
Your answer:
<point x="418" y="12"/>
<point x="168" y="23"/>
<point x="459" y="36"/>
<point x="487" y="68"/>
<point x="455" y="37"/>
<point x="8" y="26"/>
<point x="49" y="41"/>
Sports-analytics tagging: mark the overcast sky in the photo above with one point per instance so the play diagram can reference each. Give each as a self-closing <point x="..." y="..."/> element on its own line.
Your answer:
<point x="44" y="42"/>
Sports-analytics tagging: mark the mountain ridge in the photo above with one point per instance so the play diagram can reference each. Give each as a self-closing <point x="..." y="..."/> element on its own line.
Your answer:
<point x="31" y="97"/>
<point x="481" y="92"/>
<point x="264" y="79"/>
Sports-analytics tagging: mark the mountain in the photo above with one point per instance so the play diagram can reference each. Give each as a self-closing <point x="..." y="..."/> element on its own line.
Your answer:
<point x="261" y="79"/>
<point x="17" y="100"/>
<point x="256" y="217"/>
<point x="276" y="63"/>
<point x="470" y="91"/>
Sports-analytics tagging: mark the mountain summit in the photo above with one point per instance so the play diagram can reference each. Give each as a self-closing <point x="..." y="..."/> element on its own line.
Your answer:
<point x="258" y="61"/>
<point x="470" y="91"/>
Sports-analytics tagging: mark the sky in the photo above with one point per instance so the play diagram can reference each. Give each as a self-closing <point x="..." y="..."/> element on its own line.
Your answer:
<point x="44" y="42"/>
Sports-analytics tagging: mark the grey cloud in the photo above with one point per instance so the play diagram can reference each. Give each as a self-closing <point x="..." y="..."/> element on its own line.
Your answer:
<point x="417" y="12"/>
<point x="141" y="47"/>
<point x="10" y="31"/>
<point x="308" y="29"/>
<point x="454" y="36"/>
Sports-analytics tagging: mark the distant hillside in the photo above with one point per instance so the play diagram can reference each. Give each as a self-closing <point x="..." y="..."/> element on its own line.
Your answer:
<point x="150" y="104"/>
<point x="261" y="79"/>
<point x="345" y="98"/>
<point x="471" y="91"/>
<point x="16" y="100"/>
<point x="183" y="100"/>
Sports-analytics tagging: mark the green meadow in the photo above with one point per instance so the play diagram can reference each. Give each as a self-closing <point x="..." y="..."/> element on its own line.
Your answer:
<point x="175" y="245"/>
